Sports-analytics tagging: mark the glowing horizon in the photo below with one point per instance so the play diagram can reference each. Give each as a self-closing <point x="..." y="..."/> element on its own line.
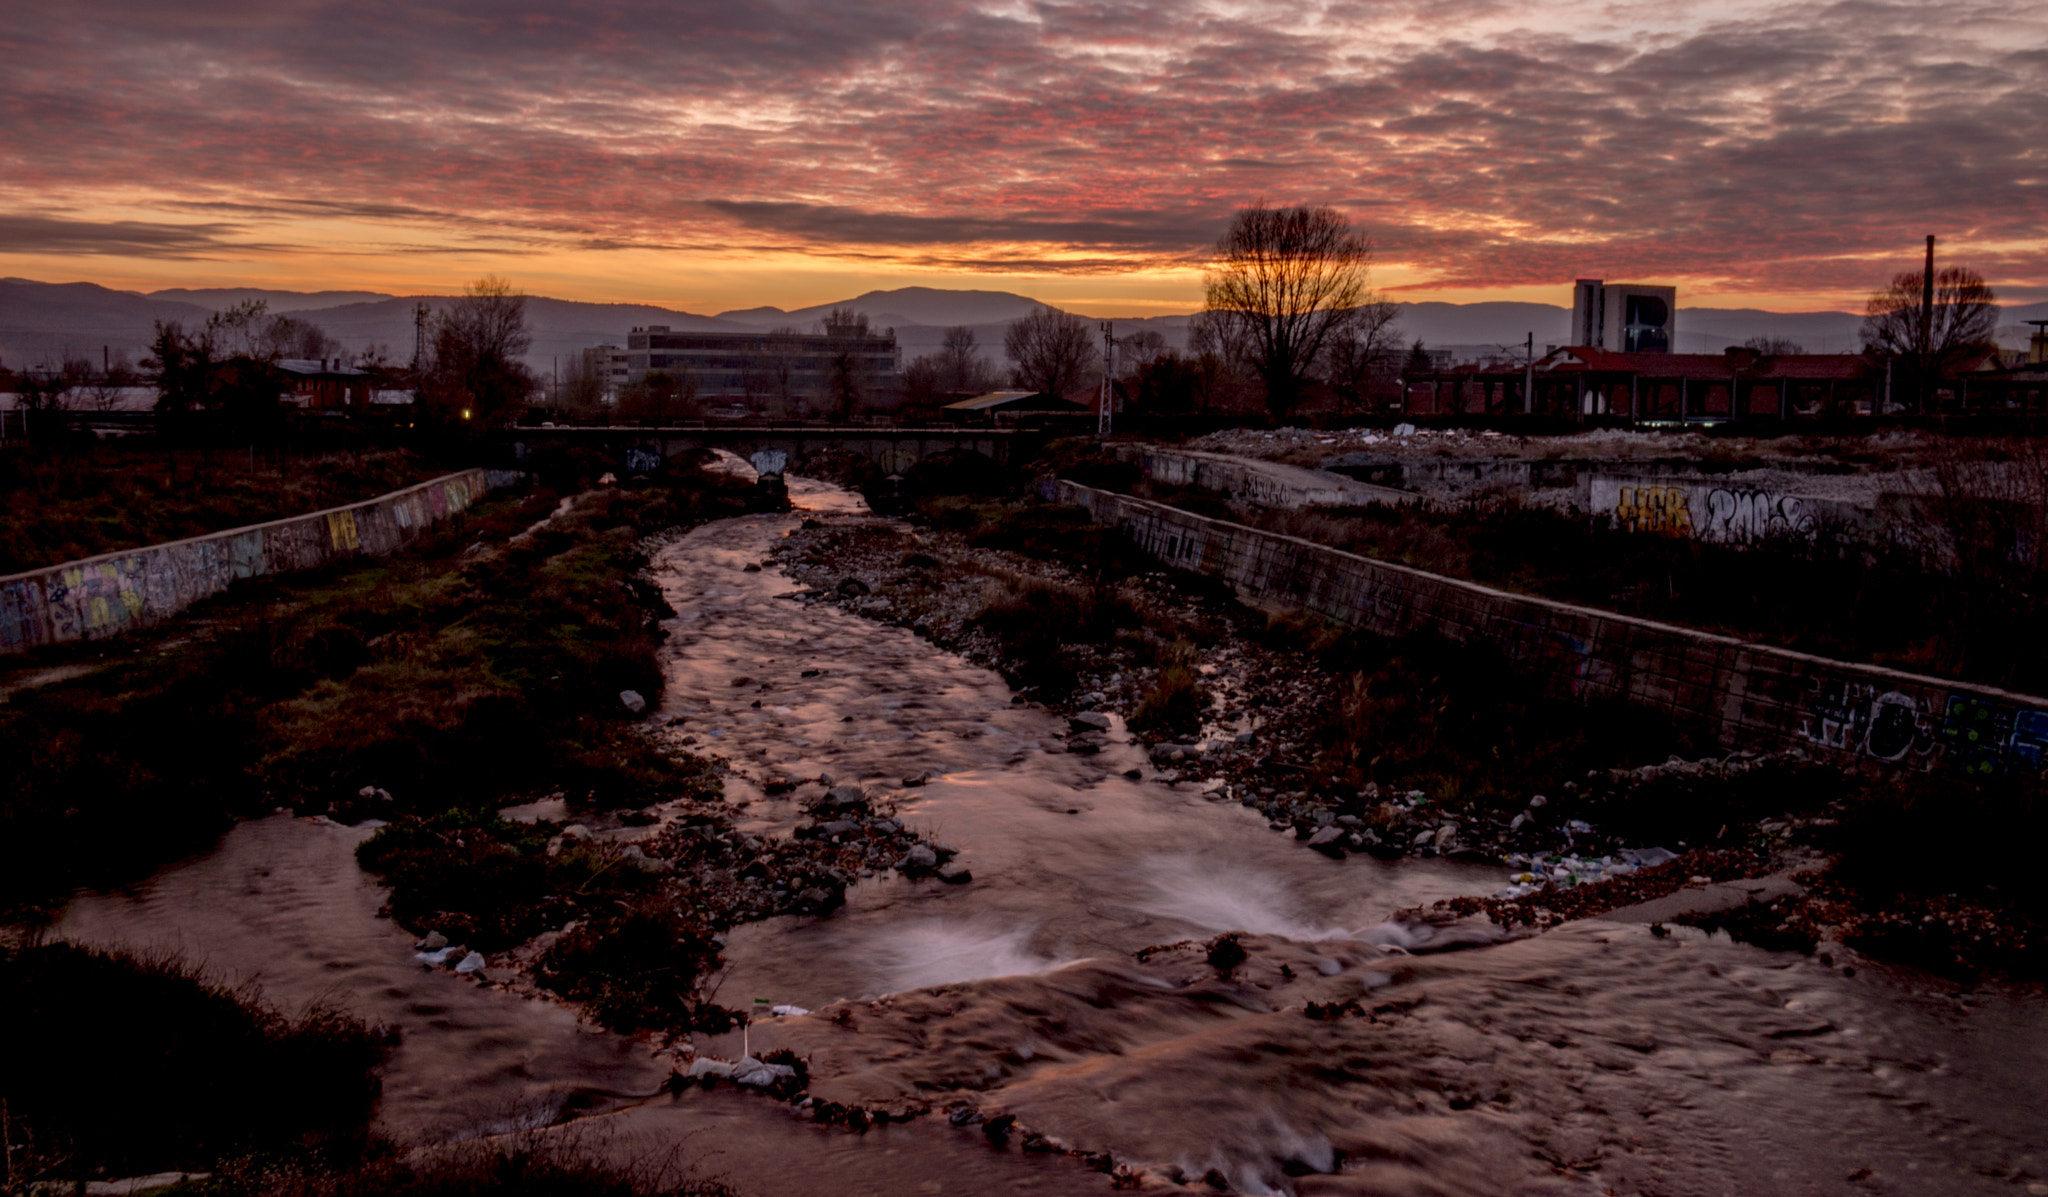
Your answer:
<point x="717" y="157"/>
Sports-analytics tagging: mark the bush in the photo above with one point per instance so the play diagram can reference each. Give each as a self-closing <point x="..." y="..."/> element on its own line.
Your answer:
<point x="216" y="1061"/>
<point x="1175" y="701"/>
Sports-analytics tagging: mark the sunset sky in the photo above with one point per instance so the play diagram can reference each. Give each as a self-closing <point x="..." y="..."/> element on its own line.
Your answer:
<point x="709" y="156"/>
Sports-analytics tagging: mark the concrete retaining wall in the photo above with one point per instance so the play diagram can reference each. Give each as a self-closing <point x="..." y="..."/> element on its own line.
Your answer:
<point x="1758" y="696"/>
<point x="119" y="592"/>
<point x="1266" y="483"/>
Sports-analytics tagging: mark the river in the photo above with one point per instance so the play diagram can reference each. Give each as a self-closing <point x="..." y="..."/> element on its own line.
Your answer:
<point x="1595" y="1058"/>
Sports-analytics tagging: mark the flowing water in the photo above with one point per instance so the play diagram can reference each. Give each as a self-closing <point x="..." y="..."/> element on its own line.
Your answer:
<point x="1597" y="1058"/>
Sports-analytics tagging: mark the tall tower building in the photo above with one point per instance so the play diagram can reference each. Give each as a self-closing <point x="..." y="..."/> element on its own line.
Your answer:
<point x="1624" y="317"/>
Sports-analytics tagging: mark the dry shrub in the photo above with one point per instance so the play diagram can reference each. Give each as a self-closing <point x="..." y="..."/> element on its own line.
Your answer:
<point x="1175" y="701"/>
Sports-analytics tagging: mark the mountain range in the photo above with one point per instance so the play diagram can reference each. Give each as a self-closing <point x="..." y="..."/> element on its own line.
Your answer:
<point x="46" y="322"/>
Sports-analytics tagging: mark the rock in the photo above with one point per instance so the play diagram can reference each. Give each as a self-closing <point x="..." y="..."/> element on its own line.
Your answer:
<point x="704" y="1066"/>
<point x="843" y="798"/>
<point x="652" y="864"/>
<point x="1326" y="836"/>
<point x="955" y="874"/>
<point x="920" y="856"/>
<point x="750" y="568"/>
<point x="367" y="793"/>
<point x="631" y="700"/>
<point x="1088" y="721"/>
<point x="916" y="779"/>
<point x="852" y="588"/>
<point x="1404" y="430"/>
<point x="472" y="963"/>
<point x="839" y="827"/>
<point x="433" y="942"/>
<point x="1539" y="800"/>
<point x="742" y="680"/>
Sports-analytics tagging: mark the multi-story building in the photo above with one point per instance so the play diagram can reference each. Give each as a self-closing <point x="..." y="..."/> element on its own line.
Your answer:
<point x="1624" y="317"/>
<point x="764" y="364"/>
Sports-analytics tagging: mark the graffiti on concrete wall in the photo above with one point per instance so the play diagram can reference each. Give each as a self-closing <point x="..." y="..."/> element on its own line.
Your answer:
<point x="642" y="461"/>
<point x="1985" y="738"/>
<point x="1664" y="510"/>
<point x="110" y="595"/>
<point x="1724" y="514"/>
<point x="1733" y="514"/>
<point x="341" y="531"/>
<point x="1861" y="718"/>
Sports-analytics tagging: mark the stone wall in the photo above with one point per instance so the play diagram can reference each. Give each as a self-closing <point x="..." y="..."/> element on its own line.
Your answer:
<point x="1759" y="697"/>
<point x="119" y="592"/>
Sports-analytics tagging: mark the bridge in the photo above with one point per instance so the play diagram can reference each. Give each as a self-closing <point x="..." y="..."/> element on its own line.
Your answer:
<point x="893" y="448"/>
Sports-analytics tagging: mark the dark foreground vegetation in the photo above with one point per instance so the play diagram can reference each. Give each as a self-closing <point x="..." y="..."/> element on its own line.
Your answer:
<point x="97" y="1033"/>
<point x="484" y="663"/>
<point x="136" y="1065"/>
<point x="70" y="499"/>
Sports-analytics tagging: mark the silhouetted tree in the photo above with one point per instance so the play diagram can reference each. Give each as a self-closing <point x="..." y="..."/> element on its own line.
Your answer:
<point x="658" y="397"/>
<point x="962" y="369"/>
<point x="1964" y="321"/>
<point x="846" y="365"/>
<point x="1774" y="346"/>
<point x="476" y="373"/>
<point x="1361" y="357"/>
<point x="1049" y="350"/>
<point x="1287" y="280"/>
<point x="923" y="385"/>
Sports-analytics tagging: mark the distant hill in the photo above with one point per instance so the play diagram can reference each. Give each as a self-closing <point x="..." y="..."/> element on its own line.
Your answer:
<point x="220" y="299"/>
<point x="907" y="305"/>
<point x="48" y="322"/>
<point x="44" y="322"/>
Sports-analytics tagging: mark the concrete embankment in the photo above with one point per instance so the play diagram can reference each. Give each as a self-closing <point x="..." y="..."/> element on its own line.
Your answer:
<point x="1757" y="696"/>
<point x="1266" y="483"/>
<point x="120" y="592"/>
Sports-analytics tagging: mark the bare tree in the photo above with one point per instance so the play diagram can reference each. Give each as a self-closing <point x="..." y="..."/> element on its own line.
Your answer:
<point x="1288" y="280"/>
<point x="1049" y="350"/>
<point x="1963" y="321"/>
<point x="962" y="369"/>
<point x="1774" y="346"/>
<point x="924" y="385"/>
<point x="847" y="375"/>
<point x="478" y="342"/>
<point x="1216" y="358"/>
<point x="784" y="353"/>
<point x="1140" y="349"/>
<point x="1361" y="357"/>
<point x="658" y="397"/>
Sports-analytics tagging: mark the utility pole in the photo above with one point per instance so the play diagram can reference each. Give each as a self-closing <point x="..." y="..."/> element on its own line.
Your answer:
<point x="420" y="313"/>
<point x="1529" y="376"/>
<point x="1926" y="323"/>
<point x="1108" y="386"/>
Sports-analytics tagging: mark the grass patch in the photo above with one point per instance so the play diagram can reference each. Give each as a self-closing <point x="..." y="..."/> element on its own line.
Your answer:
<point x="70" y="499"/>
<point x="88" y="1020"/>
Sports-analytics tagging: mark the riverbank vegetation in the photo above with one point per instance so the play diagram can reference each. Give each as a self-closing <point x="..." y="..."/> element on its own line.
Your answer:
<point x="246" y="1099"/>
<point x="91" y="1026"/>
<point x="486" y="661"/>
<point x="68" y="499"/>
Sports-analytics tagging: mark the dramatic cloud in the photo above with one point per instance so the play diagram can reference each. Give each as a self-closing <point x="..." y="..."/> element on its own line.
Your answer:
<point x="1745" y="147"/>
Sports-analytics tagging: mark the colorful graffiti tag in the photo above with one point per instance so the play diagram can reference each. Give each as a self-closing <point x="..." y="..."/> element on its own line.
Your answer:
<point x="1664" y="510"/>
